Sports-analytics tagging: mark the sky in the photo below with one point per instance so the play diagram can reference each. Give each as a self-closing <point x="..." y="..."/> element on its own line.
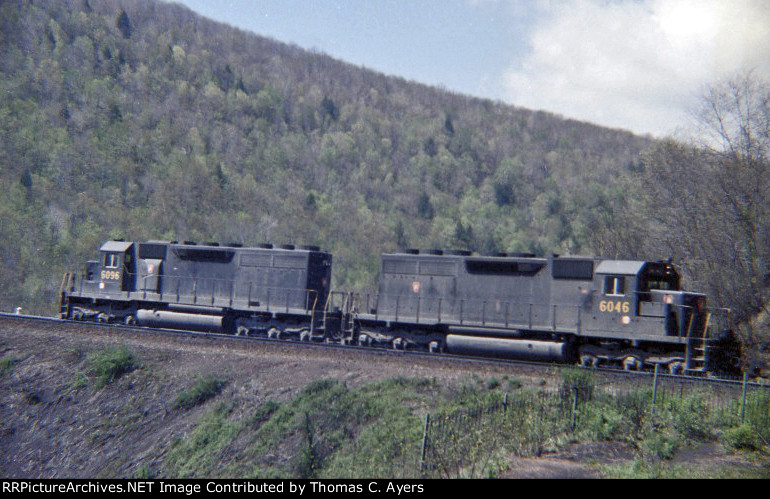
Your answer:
<point x="638" y="65"/>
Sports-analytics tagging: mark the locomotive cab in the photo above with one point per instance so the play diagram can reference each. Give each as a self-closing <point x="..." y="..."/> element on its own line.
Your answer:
<point x="115" y="270"/>
<point x="646" y="298"/>
<point x="618" y="302"/>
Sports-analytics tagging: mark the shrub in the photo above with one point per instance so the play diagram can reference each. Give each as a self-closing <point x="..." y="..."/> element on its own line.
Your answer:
<point x="603" y="422"/>
<point x="689" y="419"/>
<point x="660" y="445"/>
<point x="636" y="405"/>
<point x="743" y="437"/>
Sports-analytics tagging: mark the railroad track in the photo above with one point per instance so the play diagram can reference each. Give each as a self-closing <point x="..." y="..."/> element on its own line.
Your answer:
<point x="442" y="358"/>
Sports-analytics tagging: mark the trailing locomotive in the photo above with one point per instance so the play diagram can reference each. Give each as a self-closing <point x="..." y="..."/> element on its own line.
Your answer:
<point x="562" y="309"/>
<point x="201" y="287"/>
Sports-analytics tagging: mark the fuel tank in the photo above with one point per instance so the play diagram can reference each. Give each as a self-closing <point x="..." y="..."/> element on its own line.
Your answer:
<point x="542" y="351"/>
<point x="178" y="320"/>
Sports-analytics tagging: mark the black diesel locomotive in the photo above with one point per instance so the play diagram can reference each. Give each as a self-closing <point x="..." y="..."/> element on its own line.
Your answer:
<point x="563" y="309"/>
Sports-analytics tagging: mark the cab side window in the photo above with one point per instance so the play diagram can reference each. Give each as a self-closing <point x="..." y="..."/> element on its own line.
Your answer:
<point x="614" y="286"/>
<point x="111" y="260"/>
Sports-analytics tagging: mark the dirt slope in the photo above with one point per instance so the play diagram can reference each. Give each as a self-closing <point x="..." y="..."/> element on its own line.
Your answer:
<point x="55" y="421"/>
<point x="54" y="424"/>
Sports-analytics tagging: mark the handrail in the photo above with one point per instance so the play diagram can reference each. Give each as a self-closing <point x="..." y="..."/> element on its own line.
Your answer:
<point x="207" y="292"/>
<point x="487" y="312"/>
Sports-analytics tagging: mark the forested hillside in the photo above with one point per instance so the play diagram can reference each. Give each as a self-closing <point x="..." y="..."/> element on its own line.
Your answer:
<point x="142" y="120"/>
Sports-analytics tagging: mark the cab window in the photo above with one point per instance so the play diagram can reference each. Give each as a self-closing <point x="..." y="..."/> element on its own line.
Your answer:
<point x="614" y="286"/>
<point x="111" y="260"/>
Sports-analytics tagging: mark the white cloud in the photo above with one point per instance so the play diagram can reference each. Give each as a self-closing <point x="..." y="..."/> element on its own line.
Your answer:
<point x="640" y="64"/>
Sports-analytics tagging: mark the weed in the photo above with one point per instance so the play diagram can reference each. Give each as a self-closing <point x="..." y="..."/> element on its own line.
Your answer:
<point x="644" y="468"/>
<point x="635" y="406"/>
<point x="758" y="412"/>
<point x="80" y="381"/>
<point x="578" y="381"/>
<point x="144" y="472"/>
<point x="309" y="460"/>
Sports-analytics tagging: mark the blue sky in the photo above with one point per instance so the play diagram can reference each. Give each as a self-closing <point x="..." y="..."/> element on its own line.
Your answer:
<point x="638" y="65"/>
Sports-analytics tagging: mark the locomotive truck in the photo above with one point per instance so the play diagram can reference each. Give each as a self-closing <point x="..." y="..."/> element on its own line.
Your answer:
<point x="585" y="310"/>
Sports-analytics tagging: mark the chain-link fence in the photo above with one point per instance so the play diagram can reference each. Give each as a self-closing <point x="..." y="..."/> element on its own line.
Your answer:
<point x="473" y="442"/>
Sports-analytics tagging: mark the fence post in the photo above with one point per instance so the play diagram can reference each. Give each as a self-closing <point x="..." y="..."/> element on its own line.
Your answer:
<point x="505" y="406"/>
<point x="654" y="393"/>
<point x="574" y="408"/>
<point x="743" y="404"/>
<point x="424" y="443"/>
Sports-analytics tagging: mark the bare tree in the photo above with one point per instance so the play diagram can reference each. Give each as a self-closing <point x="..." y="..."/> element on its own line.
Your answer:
<point x="709" y="202"/>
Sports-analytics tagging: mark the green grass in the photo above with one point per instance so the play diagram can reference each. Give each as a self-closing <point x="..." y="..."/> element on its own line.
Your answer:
<point x="642" y="468"/>
<point x="111" y="363"/>
<point x="329" y="430"/>
<point x="743" y="437"/>
<point x="197" y="455"/>
<point x="204" y="388"/>
<point x="465" y="442"/>
<point x="6" y="365"/>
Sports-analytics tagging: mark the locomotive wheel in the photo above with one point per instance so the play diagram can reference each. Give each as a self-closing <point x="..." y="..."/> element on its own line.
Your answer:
<point x="631" y="363"/>
<point x="241" y="330"/>
<point x="274" y="332"/>
<point x="589" y="360"/>
<point x="129" y="320"/>
<point x="304" y="335"/>
<point x="334" y="335"/>
<point x="675" y="367"/>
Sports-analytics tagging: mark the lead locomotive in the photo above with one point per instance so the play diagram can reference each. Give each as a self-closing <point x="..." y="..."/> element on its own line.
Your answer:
<point x="566" y="309"/>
